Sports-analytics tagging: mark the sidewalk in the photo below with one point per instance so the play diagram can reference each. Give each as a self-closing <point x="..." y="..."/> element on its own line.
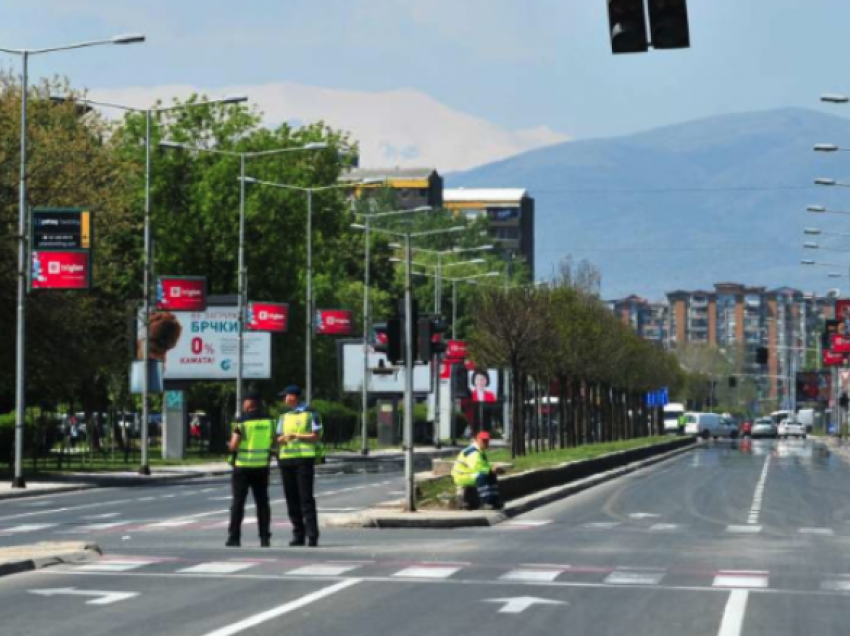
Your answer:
<point x="52" y="483"/>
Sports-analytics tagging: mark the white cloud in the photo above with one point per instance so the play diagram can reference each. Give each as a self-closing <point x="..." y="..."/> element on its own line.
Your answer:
<point x="395" y="128"/>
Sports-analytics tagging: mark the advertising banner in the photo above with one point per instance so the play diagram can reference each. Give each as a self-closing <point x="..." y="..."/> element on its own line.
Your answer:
<point x="839" y="343"/>
<point x="61" y="270"/>
<point x="842" y="313"/>
<point x="271" y="317"/>
<point x="181" y="293"/>
<point x="61" y="229"/>
<point x="814" y="386"/>
<point x="483" y="385"/>
<point x="455" y="350"/>
<point x="333" y="322"/>
<point x="204" y="345"/>
<point x="831" y="359"/>
<point x="390" y="382"/>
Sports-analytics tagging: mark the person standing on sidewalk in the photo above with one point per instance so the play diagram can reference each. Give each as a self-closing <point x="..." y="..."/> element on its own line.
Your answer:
<point x="251" y="443"/>
<point x="299" y="433"/>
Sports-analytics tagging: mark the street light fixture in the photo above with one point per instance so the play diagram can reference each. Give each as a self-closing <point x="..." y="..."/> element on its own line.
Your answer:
<point x="819" y="209"/>
<point x="20" y="335"/>
<point x="367" y="315"/>
<point x="833" y="98"/>
<point x="408" y="355"/>
<point x="144" y="468"/>
<point x="242" y="272"/>
<point x="309" y="191"/>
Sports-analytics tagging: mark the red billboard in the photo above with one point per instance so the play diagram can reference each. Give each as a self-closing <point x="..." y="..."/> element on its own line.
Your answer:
<point x="181" y="293"/>
<point x="831" y="359"/>
<point x="61" y="270"/>
<point x="839" y="343"/>
<point x="456" y="350"/>
<point x="273" y="317"/>
<point x="333" y="322"/>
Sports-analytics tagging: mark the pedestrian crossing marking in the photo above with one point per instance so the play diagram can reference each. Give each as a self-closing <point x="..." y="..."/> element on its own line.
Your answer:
<point x="824" y="532"/>
<point x="174" y="523"/>
<point x="741" y="579"/>
<point x="322" y="570"/>
<point x="635" y="577"/>
<point x="112" y="566"/>
<point x="743" y="529"/>
<point x="664" y="527"/>
<point x="28" y="527"/>
<point x="836" y="585"/>
<point x="94" y="527"/>
<point x="527" y="522"/>
<point x="531" y="575"/>
<point x="217" y="567"/>
<point x="426" y="572"/>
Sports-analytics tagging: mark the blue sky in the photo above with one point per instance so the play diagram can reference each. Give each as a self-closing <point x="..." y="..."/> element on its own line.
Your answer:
<point x="450" y="83"/>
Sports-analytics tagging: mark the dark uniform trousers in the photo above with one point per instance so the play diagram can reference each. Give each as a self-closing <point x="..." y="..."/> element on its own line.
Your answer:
<point x="257" y="481"/>
<point x="298" y="476"/>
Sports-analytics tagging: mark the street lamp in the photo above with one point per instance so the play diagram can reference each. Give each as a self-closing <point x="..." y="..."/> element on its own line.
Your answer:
<point x="367" y="316"/>
<point x="408" y="354"/>
<point x="454" y="282"/>
<point x="833" y="98"/>
<point x="242" y="272"/>
<point x="20" y="336"/>
<point x="831" y="182"/>
<point x="819" y="209"/>
<point x="309" y="191"/>
<point x="144" y="468"/>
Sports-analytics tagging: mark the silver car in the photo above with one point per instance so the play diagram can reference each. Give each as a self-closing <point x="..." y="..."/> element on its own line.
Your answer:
<point x="764" y="427"/>
<point x="791" y="428"/>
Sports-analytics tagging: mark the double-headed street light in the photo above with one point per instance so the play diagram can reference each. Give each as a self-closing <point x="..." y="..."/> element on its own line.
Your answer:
<point x="144" y="468"/>
<point x="20" y="337"/>
<point x="454" y="282"/>
<point x="309" y="191"/>
<point x="367" y="314"/>
<point x="408" y="354"/>
<point x="241" y="270"/>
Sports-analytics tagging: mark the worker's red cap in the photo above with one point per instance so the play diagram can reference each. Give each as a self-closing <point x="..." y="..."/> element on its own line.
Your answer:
<point x="483" y="435"/>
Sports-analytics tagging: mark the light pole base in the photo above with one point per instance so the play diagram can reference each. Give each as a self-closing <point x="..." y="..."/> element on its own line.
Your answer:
<point x="144" y="470"/>
<point x="18" y="482"/>
<point x="365" y="452"/>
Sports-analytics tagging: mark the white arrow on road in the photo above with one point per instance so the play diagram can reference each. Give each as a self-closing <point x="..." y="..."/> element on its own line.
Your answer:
<point x="105" y="598"/>
<point x="521" y="603"/>
<point x="643" y="515"/>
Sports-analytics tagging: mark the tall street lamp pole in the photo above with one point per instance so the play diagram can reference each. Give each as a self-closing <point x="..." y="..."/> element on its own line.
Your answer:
<point x="144" y="468"/>
<point x="309" y="191"/>
<point x="20" y="335"/>
<point x="408" y="354"/>
<point x="367" y="318"/>
<point x="242" y="272"/>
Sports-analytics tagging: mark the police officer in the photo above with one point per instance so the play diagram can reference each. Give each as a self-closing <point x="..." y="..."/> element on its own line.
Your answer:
<point x="251" y="443"/>
<point x="299" y="433"/>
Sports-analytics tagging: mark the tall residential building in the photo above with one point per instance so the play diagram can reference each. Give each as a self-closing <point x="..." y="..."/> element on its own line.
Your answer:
<point x="413" y="187"/>
<point x="509" y="213"/>
<point x="649" y="320"/>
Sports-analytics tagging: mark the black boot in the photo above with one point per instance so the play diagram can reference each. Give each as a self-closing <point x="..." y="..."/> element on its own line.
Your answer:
<point x="266" y="542"/>
<point x="232" y="542"/>
<point x="296" y="542"/>
<point x="313" y="542"/>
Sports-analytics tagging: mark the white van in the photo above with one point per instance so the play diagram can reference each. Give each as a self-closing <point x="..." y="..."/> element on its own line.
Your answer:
<point x="706" y="425"/>
<point x="672" y="411"/>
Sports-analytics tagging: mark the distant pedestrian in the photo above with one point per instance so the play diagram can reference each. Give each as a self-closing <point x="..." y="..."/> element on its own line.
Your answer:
<point x="472" y="472"/>
<point x="299" y="433"/>
<point x="251" y="444"/>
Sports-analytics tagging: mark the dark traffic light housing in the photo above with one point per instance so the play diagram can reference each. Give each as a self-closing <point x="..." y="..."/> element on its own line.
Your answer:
<point x="389" y="340"/>
<point x="668" y="25"/>
<point x="627" y="21"/>
<point x="668" y="20"/>
<point x="430" y="337"/>
<point x="761" y="355"/>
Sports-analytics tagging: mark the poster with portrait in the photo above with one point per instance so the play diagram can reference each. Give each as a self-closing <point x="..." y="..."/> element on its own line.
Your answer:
<point x="483" y="385"/>
<point x="842" y="315"/>
<point x="814" y="386"/>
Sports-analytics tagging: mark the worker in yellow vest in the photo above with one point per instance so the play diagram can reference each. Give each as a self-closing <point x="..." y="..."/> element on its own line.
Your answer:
<point x="299" y="432"/>
<point x="251" y="444"/>
<point x="472" y="472"/>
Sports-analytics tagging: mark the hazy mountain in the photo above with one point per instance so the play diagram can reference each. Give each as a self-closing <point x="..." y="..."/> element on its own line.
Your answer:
<point x="685" y="206"/>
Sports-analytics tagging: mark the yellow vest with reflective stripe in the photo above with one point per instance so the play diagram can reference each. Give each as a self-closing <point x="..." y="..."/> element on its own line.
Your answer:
<point x="255" y="443"/>
<point x="470" y="463"/>
<point x="297" y="423"/>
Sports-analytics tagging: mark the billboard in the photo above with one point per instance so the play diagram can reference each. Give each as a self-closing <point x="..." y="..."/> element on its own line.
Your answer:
<point x="272" y="317"/>
<point x="483" y="385"/>
<point x="455" y="350"/>
<point x="61" y="229"/>
<point x="203" y="345"/>
<point x="814" y="386"/>
<point x="60" y="270"/>
<point x="390" y="382"/>
<point x="333" y="322"/>
<point x="842" y="314"/>
<point x="831" y="359"/>
<point x="839" y="343"/>
<point x="181" y="293"/>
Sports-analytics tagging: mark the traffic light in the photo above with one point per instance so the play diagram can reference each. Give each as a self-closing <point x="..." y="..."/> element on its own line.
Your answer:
<point x="733" y="381"/>
<point x="389" y="340"/>
<point x="668" y="20"/>
<point x="430" y="338"/>
<point x="844" y="401"/>
<point x="627" y="22"/>
<point x="761" y="355"/>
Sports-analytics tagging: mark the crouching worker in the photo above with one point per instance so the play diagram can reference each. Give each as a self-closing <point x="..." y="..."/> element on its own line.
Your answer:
<point x="473" y="473"/>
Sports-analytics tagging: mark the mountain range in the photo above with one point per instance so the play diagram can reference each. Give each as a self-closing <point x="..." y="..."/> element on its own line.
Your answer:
<point x="721" y="199"/>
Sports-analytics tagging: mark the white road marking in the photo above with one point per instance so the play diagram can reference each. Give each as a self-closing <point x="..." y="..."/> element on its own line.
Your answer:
<point x="531" y="575"/>
<point x="30" y="527"/>
<point x="104" y="597"/>
<point x="65" y="509"/>
<point x="758" y="496"/>
<point x="601" y="525"/>
<point x="836" y="585"/>
<point x="664" y="527"/>
<point x="93" y="527"/>
<point x="322" y="570"/>
<point x="170" y="524"/>
<point x="426" y="572"/>
<point x="112" y="566"/>
<point x="268" y="615"/>
<point x="643" y="515"/>
<point x="824" y="532"/>
<point x="635" y="577"/>
<point x="733" y="615"/>
<point x="743" y="529"/>
<point x="106" y="515"/>
<point x="741" y="579"/>
<point x="519" y="604"/>
<point x="527" y="522"/>
<point x="217" y="567"/>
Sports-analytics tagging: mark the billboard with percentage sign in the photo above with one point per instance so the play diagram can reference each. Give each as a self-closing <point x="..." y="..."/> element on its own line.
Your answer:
<point x="204" y="346"/>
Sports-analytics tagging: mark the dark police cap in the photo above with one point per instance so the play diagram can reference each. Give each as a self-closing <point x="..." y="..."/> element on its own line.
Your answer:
<point x="254" y="396"/>
<point x="292" y="389"/>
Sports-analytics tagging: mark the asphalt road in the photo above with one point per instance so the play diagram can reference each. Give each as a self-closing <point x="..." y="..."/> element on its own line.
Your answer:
<point x="730" y="539"/>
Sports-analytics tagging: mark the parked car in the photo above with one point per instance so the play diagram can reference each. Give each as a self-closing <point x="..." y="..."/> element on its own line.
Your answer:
<point x="791" y="428"/>
<point x="706" y="425"/>
<point x="764" y="427"/>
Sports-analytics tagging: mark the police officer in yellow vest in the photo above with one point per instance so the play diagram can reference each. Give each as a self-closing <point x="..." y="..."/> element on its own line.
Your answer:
<point x="299" y="435"/>
<point x="251" y="442"/>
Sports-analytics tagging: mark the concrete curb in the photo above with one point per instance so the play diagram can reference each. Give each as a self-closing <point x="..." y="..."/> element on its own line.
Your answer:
<point x="442" y="519"/>
<point x="44" y="492"/>
<point x="45" y="558"/>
